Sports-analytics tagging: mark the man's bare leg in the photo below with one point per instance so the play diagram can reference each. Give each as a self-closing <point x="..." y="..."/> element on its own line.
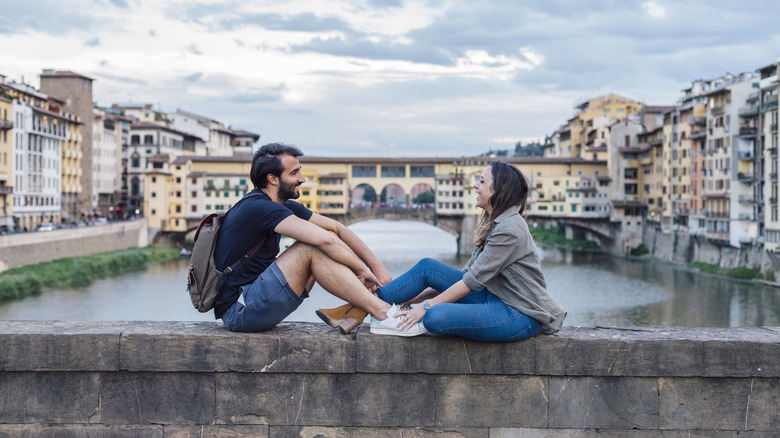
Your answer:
<point x="300" y="263"/>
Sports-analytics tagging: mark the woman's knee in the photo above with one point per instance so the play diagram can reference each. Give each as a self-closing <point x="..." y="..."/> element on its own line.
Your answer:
<point x="428" y="263"/>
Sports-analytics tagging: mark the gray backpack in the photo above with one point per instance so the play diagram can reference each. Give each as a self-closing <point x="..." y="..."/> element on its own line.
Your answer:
<point x="204" y="280"/>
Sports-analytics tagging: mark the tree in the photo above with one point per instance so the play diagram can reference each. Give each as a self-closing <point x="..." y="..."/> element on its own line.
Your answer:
<point x="369" y="194"/>
<point x="424" y="198"/>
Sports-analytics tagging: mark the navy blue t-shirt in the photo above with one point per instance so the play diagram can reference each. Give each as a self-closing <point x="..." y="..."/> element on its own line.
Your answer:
<point x="253" y="218"/>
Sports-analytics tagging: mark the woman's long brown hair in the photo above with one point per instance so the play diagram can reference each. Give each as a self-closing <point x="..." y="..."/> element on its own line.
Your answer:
<point x="510" y="190"/>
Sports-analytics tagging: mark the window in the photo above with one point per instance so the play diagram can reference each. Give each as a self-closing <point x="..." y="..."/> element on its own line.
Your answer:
<point x="393" y="171"/>
<point x="364" y="171"/>
<point x="421" y="171"/>
<point x="148" y="139"/>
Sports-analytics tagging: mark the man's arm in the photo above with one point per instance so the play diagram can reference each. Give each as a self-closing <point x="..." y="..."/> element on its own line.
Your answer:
<point x="355" y="244"/>
<point x="314" y="235"/>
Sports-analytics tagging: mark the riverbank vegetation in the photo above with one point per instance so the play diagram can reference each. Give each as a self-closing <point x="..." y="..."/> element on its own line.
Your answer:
<point x="741" y="273"/>
<point x="78" y="271"/>
<point x="551" y="236"/>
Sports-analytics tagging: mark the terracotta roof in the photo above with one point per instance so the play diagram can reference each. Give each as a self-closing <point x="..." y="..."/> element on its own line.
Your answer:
<point x="64" y="74"/>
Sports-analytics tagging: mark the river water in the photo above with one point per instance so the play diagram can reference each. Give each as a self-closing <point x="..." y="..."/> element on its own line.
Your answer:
<point x="595" y="289"/>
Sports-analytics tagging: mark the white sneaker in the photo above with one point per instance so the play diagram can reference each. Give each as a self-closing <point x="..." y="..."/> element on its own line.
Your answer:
<point x="390" y="325"/>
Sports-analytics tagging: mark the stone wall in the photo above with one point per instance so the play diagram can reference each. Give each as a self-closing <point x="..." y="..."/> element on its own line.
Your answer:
<point x="24" y="249"/>
<point x="178" y="379"/>
<point x="682" y="248"/>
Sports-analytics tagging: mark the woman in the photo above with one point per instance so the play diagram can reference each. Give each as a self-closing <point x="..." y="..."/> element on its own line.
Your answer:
<point x="501" y="293"/>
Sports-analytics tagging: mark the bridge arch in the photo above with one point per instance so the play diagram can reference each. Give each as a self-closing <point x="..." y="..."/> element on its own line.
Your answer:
<point x="363" y="195"/>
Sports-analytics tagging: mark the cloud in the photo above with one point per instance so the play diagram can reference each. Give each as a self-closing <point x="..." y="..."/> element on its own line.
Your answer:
<point x="120" y="3"/>
<point x="194" y="50"/>
<point x="152" y="32"/>
<point x="384" y="50"/>
<point x="122" y="79"/>
<point x="94" y="42"/>
<point x="193" y="77"/>
<point x="654" y="9"/>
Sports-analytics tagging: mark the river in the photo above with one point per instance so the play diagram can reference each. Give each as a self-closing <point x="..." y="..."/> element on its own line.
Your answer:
<point x="595" y="289"/>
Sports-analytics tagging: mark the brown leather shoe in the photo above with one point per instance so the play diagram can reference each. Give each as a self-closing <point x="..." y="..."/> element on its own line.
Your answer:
<point x="346" y="317"/>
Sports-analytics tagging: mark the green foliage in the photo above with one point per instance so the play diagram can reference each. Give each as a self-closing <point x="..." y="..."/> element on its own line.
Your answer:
<point x="551" y="236"/>
<point x="706" y="267"/>
<point x="424" y="198"/>
<point x="369" y="194"/>
<point x="744" y="273"/>
<point x="639" y="250"/>
<point x="77" y="271"/>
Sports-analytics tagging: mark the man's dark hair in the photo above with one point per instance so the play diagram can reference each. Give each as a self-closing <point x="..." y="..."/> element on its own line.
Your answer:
<point x="266" y="160"/>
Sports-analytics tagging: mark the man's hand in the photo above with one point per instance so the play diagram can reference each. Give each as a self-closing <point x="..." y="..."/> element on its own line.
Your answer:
<point x="370" y="281"/>
<point x="382" y="276"/>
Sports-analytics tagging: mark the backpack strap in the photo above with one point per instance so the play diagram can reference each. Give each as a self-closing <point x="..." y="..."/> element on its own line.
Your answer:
<point x="228" y="270"/>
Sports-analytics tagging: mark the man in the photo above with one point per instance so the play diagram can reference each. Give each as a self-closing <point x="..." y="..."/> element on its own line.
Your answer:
<point x="265" y="289"/>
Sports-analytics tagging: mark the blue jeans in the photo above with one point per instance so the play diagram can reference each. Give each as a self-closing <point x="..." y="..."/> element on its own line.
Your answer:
<point x="478" y="316"/>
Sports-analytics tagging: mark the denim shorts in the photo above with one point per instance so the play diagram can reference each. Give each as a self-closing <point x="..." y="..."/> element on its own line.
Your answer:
<point x="263" y="304"/>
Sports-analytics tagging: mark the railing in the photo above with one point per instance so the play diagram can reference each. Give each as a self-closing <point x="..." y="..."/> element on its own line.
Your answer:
<point x="748" y="111"/>
<point x="6" y="190"/>
<point x="773" y="200"/>
<point x="6" y="124"/>
<point x="746" y="217"/>
<point x="716" y="111"/>
<point x="773" y="176"/>
<point x="746" y="155"/>
<point x="747" y="199"/>
<point x="773" y="128"/>
<point x="745" y="177"/>
<point x="748" y="131"/>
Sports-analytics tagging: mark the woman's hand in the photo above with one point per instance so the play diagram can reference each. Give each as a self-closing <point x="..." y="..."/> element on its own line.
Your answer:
<point x="412" y="317"/>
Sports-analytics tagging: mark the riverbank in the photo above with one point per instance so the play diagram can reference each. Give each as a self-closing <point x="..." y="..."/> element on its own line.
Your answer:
<point x="78" y="271"/>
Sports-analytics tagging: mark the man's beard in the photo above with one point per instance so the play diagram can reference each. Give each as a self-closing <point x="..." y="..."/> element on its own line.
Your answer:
<point x="287" y="191"/>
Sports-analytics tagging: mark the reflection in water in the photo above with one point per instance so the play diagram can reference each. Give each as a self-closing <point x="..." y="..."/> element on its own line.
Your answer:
<point x="594" y="288"/>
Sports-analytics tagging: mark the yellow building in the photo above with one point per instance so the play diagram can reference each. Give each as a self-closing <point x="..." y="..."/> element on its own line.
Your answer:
<point x="6" y="161"/>
<point x="587" y="126"/>
<point x="71" y="172"/>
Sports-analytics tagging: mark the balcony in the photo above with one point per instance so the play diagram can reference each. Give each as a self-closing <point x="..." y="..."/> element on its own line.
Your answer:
<point x="770" y="103"/>
<point x="6" y="125"/>
<point x="773" y="128"/>
<point x="747" y="199"/>
<point x="746" y="177"/>
<point x="718" y="110"/>
<point x="6" y="190"/>
<point x="748" y="111"/>
<point x="746" y="155"/>
<point x="773" y="176"/>
<point x="746" y="217"/>
<point x="747" y="131"/>
<point x="773" y="200"/>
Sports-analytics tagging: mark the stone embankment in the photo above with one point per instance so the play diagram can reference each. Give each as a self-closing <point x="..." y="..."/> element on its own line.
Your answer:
<point x="17" y="250"/>
<point x="175" y="379"/>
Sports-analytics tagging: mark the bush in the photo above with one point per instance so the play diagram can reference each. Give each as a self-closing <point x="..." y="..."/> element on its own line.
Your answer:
<point x="744" y="273"/>
<point x="552" y="237"/>
<point x="706" y="267"/>
<point x="78" y="271"/>
<point x="639" y="250"/>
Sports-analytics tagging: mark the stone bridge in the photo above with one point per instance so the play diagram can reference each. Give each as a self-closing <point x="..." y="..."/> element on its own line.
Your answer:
<point x="195" y="379"/>
<point x="453" y="224"/>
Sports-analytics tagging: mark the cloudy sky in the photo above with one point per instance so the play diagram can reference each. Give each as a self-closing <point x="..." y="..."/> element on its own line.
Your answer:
<point x="387" y="78"/>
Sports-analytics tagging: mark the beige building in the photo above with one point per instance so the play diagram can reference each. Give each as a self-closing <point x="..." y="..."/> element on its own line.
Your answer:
<point x="768" y="137"/>
<point x="6" y="160"/>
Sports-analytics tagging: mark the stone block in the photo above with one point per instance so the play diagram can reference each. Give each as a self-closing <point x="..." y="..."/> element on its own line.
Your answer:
<point x="438" y="355"/>
<point x="209" y="346"/>
<point x="748" y="404"/>
<point x="216" y="431"/>
<point x="491" y="401"/>
<point x="60" y="346"/>
<point x="157" y="398"/>
<point x="607" y="402"/>
<point x="672" y="351"/>
<point x="79" y="431"/>
<point x="606" y="433"/>
<point x="325" y="399"/>
<point x="49" y="397"/>
<point x="375" y="432"/>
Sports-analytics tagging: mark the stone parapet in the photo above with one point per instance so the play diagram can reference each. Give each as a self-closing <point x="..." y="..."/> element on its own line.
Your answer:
<point x="160" y="379"/>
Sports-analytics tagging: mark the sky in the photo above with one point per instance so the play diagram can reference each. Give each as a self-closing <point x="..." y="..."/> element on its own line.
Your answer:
<point x="389" y="78"/>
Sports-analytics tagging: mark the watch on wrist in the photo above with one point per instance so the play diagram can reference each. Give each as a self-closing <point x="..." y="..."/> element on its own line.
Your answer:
<point x="426" y="305"/>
